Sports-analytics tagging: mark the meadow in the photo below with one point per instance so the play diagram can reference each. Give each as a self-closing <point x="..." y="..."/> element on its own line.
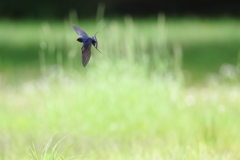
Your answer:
<point x="162" y="89"/>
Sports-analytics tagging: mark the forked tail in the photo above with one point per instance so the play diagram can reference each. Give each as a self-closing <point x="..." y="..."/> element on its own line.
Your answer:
<point x="96" y="42"/>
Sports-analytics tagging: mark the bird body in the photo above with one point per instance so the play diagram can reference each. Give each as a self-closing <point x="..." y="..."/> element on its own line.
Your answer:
<point x="87" y="44"/>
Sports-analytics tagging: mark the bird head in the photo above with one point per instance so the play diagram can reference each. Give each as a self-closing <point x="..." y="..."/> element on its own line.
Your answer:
<point x="79" y="40"/>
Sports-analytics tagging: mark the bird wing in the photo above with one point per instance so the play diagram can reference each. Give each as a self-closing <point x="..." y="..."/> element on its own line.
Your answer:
<point x="86" y="52"/>
<point x="79" y="31"/>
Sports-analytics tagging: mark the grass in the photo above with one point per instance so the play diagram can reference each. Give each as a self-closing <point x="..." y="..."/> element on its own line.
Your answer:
<point x="131" y="102"/>
<point x="121" y="118"/>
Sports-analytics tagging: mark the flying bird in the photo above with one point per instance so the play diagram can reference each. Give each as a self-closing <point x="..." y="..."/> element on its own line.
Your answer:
<point x="87" y="44"/>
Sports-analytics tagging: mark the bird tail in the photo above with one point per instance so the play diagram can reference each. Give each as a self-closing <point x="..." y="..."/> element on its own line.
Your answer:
<point x="96" y="43"/>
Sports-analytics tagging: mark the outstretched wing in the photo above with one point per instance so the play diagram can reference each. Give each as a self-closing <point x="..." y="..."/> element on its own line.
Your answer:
<point x="79" y="31"/>
<point x="86" y="52"/>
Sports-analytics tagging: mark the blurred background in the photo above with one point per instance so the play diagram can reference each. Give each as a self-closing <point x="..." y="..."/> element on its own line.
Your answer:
<point x="165" y="87"/>
<point x="207" y="32"/>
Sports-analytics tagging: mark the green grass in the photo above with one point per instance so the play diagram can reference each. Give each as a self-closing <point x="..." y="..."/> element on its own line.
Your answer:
<point x="121" y="117"/>
<point x="131" y="102"/>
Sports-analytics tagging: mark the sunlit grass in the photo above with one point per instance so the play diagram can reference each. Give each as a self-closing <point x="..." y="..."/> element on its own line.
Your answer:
<point x="121" y="116"/>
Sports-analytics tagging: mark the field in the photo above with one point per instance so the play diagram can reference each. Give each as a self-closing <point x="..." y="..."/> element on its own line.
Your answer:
<point x="162" y="89"/>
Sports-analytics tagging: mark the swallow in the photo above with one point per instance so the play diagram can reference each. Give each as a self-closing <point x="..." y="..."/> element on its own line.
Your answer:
<point x="87" y="44"/>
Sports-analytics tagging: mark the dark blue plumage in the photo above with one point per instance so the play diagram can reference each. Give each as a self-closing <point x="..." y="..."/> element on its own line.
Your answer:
<point x="87" y="44"/>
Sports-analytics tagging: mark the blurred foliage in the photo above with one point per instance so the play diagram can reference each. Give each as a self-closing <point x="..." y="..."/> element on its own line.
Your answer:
<point x="206" y="44"/>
